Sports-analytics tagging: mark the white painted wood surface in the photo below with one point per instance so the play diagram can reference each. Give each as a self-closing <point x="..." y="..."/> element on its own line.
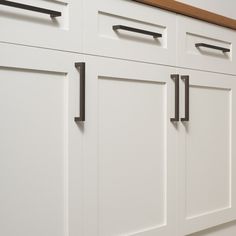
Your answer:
<point x="206" y="176"/>
<point x="101" y="39"/>
<point x="129" y="149"/>
<point x="127" y="170"/>
<point x="220" y="230"/>
<point x="40" y="165"/>
<point x="31" y="28"/>
<point x="191" y="32"/>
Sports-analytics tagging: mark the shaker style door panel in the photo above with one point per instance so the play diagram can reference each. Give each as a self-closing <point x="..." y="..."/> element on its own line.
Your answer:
<point x="206" y="166"/>
<point x="48" y="24"/>
<point x="40" y="161"/>
<point x="129" y="149"/>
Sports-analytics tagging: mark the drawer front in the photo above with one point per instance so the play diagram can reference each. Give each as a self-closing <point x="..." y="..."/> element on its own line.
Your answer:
<point x="48" y="24"/>
<point x="129" y="30"/>
<point x="205" y="46"/>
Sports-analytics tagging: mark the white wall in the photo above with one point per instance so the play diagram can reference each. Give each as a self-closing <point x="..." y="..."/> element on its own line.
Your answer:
<point x="223" y="7"/>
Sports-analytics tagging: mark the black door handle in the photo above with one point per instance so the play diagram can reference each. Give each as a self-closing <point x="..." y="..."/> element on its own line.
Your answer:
<point x="81" y="67"/>
<point x="175" y="77"/>
<point x="30" y="8"/>
<point x="140" y="31"/>
<point x="212" y="47"/>
<point x="185" y="78"/>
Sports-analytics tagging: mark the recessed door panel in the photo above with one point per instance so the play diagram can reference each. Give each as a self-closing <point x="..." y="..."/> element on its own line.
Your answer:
<point x="208" y="163"/>
<point x="132" y="159"/>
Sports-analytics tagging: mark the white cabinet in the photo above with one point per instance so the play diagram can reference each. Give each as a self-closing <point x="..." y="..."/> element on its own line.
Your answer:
<point x="206" y="166"/>
<point x="129" y="149"/>
<point x="40" y="159"/>
<point x="48" y="24"/>
<point x="138" y="143"/>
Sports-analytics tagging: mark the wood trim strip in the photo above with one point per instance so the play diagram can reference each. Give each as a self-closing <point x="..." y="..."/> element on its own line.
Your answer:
<point x="191" y="11"/>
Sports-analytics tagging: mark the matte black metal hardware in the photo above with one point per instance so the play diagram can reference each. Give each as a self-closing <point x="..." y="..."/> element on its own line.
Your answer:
<point x="175" y="77"/>
<point x="81" y="67"/>
<point x="185" y="78"/>
<point x="140" y="31"/>
<point x="30" y="8"/>
<point x="212" y="47"/>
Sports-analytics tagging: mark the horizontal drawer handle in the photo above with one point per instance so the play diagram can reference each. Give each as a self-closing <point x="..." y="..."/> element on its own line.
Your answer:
<point x="140" y="31"/>
<point x="30" y="8"/>
<point x="212" y="46"/>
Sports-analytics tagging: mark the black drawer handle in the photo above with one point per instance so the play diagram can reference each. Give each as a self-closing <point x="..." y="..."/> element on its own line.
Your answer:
<point x="81" y="67"/>
<point x="212" y="46"/>
<point x="185" y="78"/>
<point x="176" y="80"/>
<point x="140" y="31"/>
<point x="30" y="8"/>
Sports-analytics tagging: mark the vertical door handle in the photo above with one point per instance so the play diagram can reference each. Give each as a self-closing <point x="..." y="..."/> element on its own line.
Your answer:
<point x="81" y="67"/>
<point x="185" y="78"/>
<point x="175" y="77"/>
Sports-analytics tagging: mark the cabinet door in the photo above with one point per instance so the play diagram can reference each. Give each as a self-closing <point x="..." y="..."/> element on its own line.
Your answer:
<point x="129" y="149"/>
<point x="40" y="161"/>
<point x="206" y="166"/>
<point x="29" y="22"/>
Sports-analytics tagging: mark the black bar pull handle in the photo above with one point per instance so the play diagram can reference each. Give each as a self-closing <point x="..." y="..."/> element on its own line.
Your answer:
<point x="139" y="31"/>
<point x="185" y="78"/>
<point x="198" y="45"/>
<point x="175" y="77"/>
<point x="81" y="67"/>
<point x="30" y="8"/>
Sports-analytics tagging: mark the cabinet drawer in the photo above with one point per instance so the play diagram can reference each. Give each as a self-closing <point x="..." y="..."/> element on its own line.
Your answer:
<point x="129" y="30"/>
<point x="48" y="24"/>
<point x="205" y="46"/>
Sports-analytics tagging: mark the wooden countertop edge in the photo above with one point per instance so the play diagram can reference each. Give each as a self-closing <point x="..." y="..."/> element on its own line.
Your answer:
<point x="191" y="11"/>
